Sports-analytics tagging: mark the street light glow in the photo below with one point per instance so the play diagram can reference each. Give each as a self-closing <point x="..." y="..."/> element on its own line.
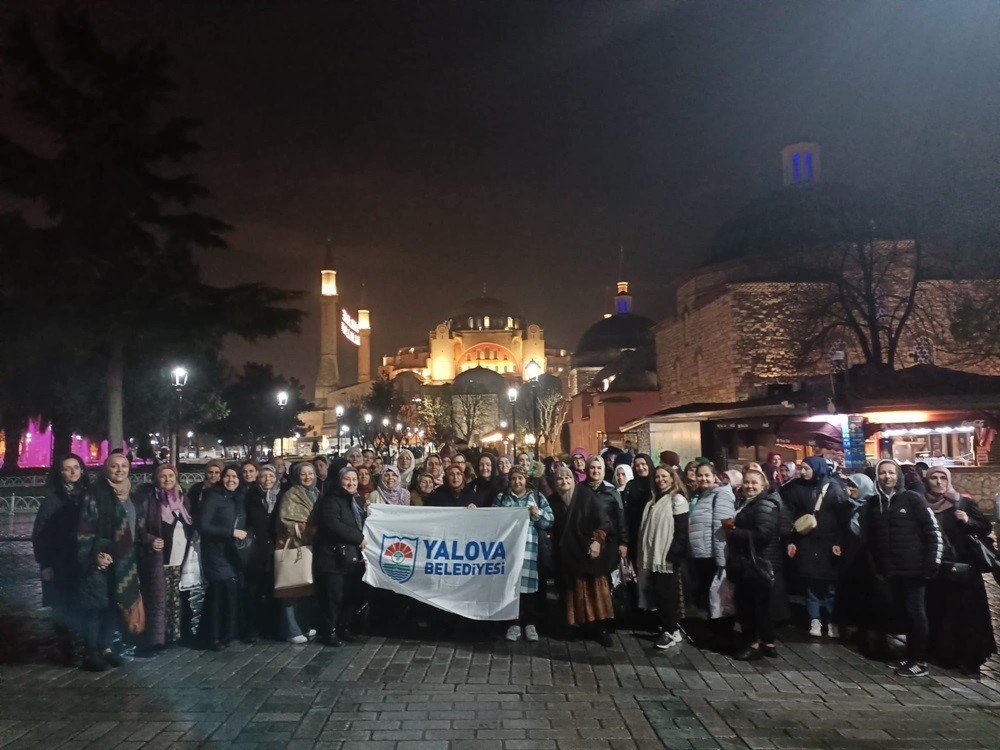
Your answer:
<point x="179" y="375"/>
<point x="339" y="411"/>
<point x="512" y="394"/>
<point x="282" y="398"/>
<point x="368" y="418"/>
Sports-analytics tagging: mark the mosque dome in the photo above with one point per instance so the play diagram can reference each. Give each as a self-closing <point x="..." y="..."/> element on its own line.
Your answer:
<point x="609" y="337"/>
<point x="478" y="381"/>
<point x="484" y="313"/>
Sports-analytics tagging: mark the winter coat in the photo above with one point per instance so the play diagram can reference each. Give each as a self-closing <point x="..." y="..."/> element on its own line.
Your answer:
<point x="260" y="523"/>
<point x="443" y="497"/>
<point x="661" y="542"/>
<point x="758" y="522"/>
<point x="814" y="558"/>
<point x="336" y="544"/>
<point x="577" y="525"/>
<point x="636" y="495"/>
<point x="222" y="512"/>
<point x="53" y="539"/>
<point x="612" y="501"/>
<point x="706" y="536"/>
<point x="902" y="533"/>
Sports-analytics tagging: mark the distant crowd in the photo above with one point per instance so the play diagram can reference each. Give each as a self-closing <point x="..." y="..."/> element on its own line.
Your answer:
<point x="718" y="557"/>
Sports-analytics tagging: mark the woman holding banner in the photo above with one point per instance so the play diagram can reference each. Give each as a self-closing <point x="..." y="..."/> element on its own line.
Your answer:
<point x="586" y="556"/>
<point x="519" y="495"/>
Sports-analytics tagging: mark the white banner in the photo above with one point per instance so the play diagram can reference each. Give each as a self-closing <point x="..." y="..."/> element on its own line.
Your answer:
<point x="457" y="559"/>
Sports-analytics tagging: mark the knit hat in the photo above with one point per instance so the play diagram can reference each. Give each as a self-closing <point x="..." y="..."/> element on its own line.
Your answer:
<point x="165" y="467"/>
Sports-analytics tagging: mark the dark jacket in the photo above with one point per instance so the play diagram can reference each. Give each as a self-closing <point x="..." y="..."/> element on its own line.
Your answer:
<point x="53" y="539"/>
<point x="611" y="499"/>
<point x="576" y="526"/>
<point x="814" y="557"/>
<point x="338" y="533"/>
<point x="443" y="497"/>
<point x="758" y="523"/>
<point x="222" y="512"/>
<point x="902" y="534"/>
<point x="635" y="497"/>
<point x="260" y="523"/>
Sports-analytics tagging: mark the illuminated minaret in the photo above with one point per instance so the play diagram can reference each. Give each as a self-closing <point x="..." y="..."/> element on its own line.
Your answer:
<point x="365" y="334"/>
<point x="623" y="300"/>
<point x="328" y="379"/>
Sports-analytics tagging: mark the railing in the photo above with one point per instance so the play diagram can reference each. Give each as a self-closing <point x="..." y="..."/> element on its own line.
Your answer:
<point x="13" y="504"/>
<point x="187" y="478"/>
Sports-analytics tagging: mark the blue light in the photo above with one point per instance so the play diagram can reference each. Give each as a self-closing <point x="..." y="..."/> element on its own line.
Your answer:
<point x="809" y="165"/>
<point x="796" y="168"/>
<point x="621" y="305"/>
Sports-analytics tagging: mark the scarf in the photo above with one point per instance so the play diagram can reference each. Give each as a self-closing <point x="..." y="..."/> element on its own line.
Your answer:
<point x="172" y="503"/>
<point x="580" y="476"/>
<point x="820" y="468"/>
<point x="941" y="503"/>
<point x="405" y="477"/>
<point x="656" y="534"/>
<point x="104" y="527"/>
<point x="398" y="495"/>
<point x="629" y="476"/>
<point x="123" y="489"/>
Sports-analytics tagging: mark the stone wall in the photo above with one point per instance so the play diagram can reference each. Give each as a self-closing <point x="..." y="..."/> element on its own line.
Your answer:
<point x="982" y="482"/>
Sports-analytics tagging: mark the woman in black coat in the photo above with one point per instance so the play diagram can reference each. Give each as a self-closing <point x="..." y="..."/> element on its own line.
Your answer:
<point x="961" y="630"/>
<point x="637" y="494"/>
<point x="259" y="610"/>
<point x="337" y="549"/>
<point x="222" y="525"/>
<point x="53" y="539"/>
<point x="817" y="553"/>
<point x="757" y="526"/>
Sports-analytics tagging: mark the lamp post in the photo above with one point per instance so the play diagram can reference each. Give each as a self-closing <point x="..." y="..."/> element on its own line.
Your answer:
<point x="512" y="397"/>
<point x="368" y="425"/>
<point x="282" y="403"/>
<point x="179" y="378"/>
<point x="339" y="411"/>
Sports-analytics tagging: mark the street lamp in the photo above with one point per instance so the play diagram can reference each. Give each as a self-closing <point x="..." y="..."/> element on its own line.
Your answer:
<point x="512" y="397"/>
<point x="282" y="403"/>
<point x="368" y="423"/>
<point x="179" y="378"/>
<point x="339" y="411"/>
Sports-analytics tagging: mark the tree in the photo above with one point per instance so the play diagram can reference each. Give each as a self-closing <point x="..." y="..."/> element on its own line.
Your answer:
<point x="253" y="416"/>
<point x="552" y="408"/>
<point x="471" y="414"/>
<point x="435" y="416"/>
<point x="111" y="264"/>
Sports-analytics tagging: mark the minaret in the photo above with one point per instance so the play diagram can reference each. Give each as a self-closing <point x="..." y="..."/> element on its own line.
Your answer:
<point x="328" y="379"/>
<point x="365" y="333"/>
<point x="623" y="300"/>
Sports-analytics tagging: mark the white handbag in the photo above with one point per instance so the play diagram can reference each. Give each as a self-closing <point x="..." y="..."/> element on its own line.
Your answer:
<point x="293" y="567"/>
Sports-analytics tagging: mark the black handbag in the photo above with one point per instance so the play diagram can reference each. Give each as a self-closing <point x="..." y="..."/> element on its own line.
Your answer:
<point x="761" y="569"/>
<point x="984" y="558"/>
<point x="245" y="549"/>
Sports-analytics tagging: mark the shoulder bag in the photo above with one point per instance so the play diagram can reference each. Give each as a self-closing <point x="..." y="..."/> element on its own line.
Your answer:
<point x="292" y="567"/>
<point x="806" y="523"/>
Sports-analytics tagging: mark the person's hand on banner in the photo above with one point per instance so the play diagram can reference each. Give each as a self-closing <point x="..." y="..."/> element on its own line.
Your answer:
<point x="363" y="542"/>
<point x="471" y="506"/>
<point x="534" y="510"/>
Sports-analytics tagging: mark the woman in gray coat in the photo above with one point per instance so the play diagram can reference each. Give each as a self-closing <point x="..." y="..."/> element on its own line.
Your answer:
<point x="711" y="503"/>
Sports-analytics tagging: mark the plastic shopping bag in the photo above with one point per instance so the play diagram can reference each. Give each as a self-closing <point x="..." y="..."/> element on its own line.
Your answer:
<point x="721" y="599"/>
<point x="191" y="568"/>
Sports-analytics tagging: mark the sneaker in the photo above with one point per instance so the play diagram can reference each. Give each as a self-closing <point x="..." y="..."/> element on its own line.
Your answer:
<point x="832" y="631"/>
<point x="769" y="651"/>
<point x="676" y="636"/>
<point x="513" y="633"/>
<point x="815" y="629"/>
<point x="298" y="639"/>
<point x="332" y="639"/>
<point x="749" y="653"/>
<point x="113" y="659"/>
<point x="530" y="633"/>
<point x="665" y="641"/>
<point x="912" y="669"/>
<point x="311" y="633"/>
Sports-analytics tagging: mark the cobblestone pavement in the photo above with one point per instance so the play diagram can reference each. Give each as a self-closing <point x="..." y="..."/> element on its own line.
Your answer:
<point x="457" y="695"/>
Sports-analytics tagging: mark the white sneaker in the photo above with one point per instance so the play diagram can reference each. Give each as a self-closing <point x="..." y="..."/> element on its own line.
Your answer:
<point x="832" y="632"/>
<point x="676" y="636"/>
<point x="311" y="633"/>
<point x="530" y="633"/>
<point x="815" y="628"/>
<point x="299" y="639"/>
<point x="513" y="632"/>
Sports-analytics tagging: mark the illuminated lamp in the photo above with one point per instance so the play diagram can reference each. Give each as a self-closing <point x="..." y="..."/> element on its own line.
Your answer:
<point x="888" y="417"/>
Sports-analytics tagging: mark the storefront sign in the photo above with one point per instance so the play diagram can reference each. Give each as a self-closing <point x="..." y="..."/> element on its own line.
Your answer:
<point x="745" y="424"/>
<point x="853" y="431"/>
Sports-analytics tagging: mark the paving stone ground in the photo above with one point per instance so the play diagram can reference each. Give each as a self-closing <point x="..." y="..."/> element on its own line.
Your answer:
<point x="401" y="694"/>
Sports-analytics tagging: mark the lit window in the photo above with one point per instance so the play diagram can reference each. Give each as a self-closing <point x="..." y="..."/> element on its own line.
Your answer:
<point x="796" y="168"/>
<point x="510" y="322"/>
<point x="809" y="165"/>
<point x="486" y="321"/>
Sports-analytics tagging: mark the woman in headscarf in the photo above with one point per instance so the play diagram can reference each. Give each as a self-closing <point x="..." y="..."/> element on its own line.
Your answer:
<point x="424" y="488"/>
<point x="637" y="493"/>
<point x="434" y="466"/>
<point x="366" y="483"/>
<point x="623" y="475"/>
<point x="221" y="525"/>
<point x="578" y="464"/>
<point x="586" y="557"/>
<point x="817" y="551"/>
<point x="612" y="501"/>
<point x="293" y="530"/>
<point x="166" y="530"/>
<point x="787" y="472"/>
<point x="213" y="472"/>
<point x="735" y="479"/>
<point x="504" y="465"/>
<point x="407" y="466"/>
<point x="755" y="532"/>
<point x="519" y="495"/>
<point x="337" y="553"/>
<point x="390" y="490"/>
<point x="106" y="554"/>
<point x="53" y="539"/>
<point x="261" y="501"/>
<point x="961" y="630"/>
<point x="486" y="485"/>
<point x="661" y="546"/>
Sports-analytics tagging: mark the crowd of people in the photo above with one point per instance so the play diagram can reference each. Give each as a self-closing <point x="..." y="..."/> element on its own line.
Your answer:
<point x="720" y="557"/>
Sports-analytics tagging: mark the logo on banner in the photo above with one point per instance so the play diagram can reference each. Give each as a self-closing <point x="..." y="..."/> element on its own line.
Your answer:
<point x="399" y="557"/>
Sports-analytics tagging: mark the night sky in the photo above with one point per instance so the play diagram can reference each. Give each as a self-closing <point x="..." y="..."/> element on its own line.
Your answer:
<point x="446" y="145"/>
